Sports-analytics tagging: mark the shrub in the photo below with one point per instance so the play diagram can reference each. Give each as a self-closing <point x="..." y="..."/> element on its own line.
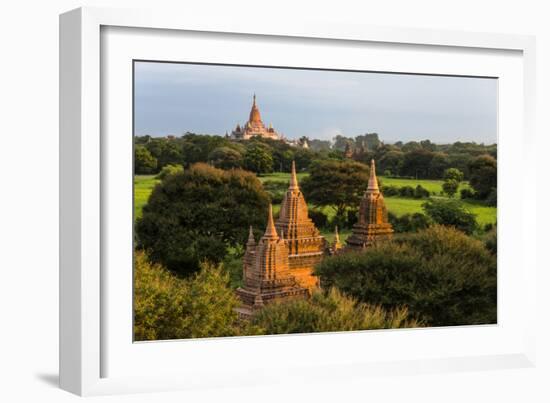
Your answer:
<point x="390" y="190"/>
<point x="329" y="312"/>
<point x="466" y="193"/>
<point x="406" y="191"/>
<point x="409" y="222"/>
<point x="443" y="276"/>
<point x="421" y="192"/>
<point x="167" y="307"/>
<point x="450" y="187"/>
<point x="319" y="218"/>
<point x="492" y="198"/>
<point x="450" y="212"/>
<point x="169" y="170"/>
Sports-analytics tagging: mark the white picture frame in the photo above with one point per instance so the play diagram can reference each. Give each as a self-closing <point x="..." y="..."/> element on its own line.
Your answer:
<point x="88" y="334"/>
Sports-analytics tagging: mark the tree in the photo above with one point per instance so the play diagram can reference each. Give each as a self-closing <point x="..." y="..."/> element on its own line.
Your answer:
<point x="452" y="213"/>
<point x="196" y="215"/>
<point x="329" y="311"/>
<point x="452" y="178"/>
<point x="169" y="170"/>
<point x="226" y="158"/>
<point x="339" y="184"/>
<point x="483" y="175"/>
<point x="258" y="158"/>
<point x="444" y="277"/>
<point x="144" y="162"/>
<point x="167" y="307"/>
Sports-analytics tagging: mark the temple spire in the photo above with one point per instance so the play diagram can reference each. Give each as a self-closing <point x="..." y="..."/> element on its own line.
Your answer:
<point x="373" y="181"/>
<point x="336" y="235"/>
<point x="270" y="231"/>
<point x="293" y="178"/>
<point x="251" y="240"/>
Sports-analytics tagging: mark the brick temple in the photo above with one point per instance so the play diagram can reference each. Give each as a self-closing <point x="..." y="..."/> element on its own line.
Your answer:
<point x="280" y="266"/>
<point x="267" y="276"/>
<point x="306" y="246"/>
<point x="372" y="225"/>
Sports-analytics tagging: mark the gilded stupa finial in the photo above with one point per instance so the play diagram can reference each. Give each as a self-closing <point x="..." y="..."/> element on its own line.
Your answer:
<point x="270" y="231"/>
<point x="293" y="177"/>
<point x="373" y="181"/>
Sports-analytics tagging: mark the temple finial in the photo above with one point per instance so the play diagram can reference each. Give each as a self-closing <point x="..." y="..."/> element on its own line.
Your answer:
<point x="251" y="239"/>
<point x="254" y="99"/>
<point x="270" y="231"/>
<point x="293" y="177"/>
<point x="373" y="181"/>
<point x="336" y="235"/>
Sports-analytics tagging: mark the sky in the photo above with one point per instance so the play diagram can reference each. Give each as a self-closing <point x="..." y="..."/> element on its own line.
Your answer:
<point x="174" y="98"/>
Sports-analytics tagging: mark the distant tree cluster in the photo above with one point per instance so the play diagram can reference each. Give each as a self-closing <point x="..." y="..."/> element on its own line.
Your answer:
<point x="453" y="163"/>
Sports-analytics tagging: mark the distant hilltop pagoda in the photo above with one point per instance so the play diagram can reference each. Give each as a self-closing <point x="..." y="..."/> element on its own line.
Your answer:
<point x="254" y="127"/>
<point x="372" y="225"/>
<point x="306" y="245"/>
<point x="267" y="275"/>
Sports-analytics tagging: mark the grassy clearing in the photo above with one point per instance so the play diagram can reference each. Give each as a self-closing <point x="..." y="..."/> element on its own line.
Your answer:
<point x="432" y="185"/>
<point x="144" y="184"/>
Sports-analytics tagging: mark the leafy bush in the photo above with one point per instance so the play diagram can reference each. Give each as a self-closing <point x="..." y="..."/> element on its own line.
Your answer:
<point x="144" y="162"/>
<point x="169" y="170"/>
<point x="328" y="312"/>
<point x="450" y="212"/>
<point x="408" y="222"/>
<point x="421" y="192"/>
<point x="492" y="198"/>
<point x="466" y="193"/>
<point x="196" y="215"/>
<point x="406" y="191"/>
<point x="390" y="190"/>
<point x="319" y="218"/>
<point x="167" y="307"/>
<point x="443" y="276"/>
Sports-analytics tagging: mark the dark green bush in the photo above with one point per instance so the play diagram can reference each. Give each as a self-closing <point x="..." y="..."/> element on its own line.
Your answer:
<point x="467" y="193"/>
<point x="319" y="218"/>
<point x="406" y="191"/>
<point x="421" y="192"/>
<point x="443" y="276"/>
<point x="329" y="312"/>
<point x="452" y="213"/>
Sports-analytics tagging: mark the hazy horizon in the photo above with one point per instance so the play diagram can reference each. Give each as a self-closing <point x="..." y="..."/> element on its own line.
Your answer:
<point x="174" y="98"/>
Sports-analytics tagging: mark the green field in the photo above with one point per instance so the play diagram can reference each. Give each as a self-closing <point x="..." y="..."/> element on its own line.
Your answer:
<point x="143" y="186"/>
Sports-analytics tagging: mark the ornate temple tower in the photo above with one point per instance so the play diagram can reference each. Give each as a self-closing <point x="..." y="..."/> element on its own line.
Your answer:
<point x="254" y="126"/>
<point x="266" y="273"/>
<point x="305" y="244"/>
<point x="372" y="225"/>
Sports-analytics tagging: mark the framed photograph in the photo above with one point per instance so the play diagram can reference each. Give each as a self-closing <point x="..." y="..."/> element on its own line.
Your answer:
<point x="272" y="203"/>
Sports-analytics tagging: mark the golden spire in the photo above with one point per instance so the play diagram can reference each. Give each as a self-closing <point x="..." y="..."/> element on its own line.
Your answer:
<point x="270" y="231"/>
<point x="336" y="235"/>
<point x="293" y="178"/>
<point x="373" y="181"/>
<point x="254" y="112"/>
